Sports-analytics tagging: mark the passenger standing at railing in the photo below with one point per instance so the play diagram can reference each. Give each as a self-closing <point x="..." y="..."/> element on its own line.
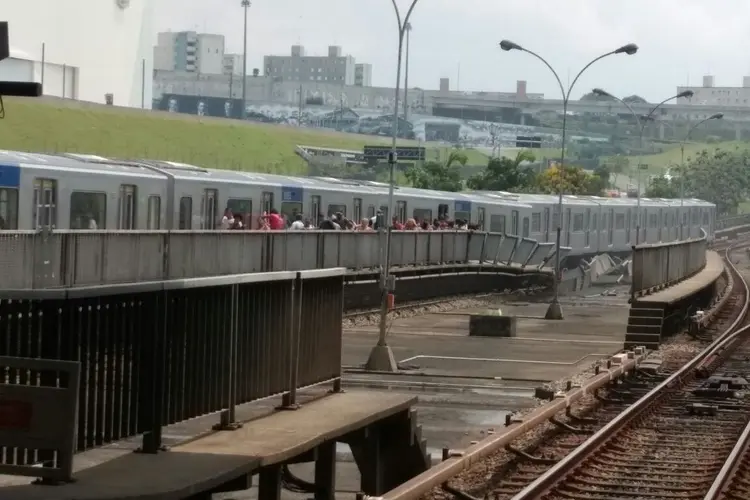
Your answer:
<point x="297" y="224"/>
<point x="227" y="222"/>
<point x="275" y="222"/>
<point x="397" y="226"/>
<point x="364" y="225"/>
<point x="237" y="222"/>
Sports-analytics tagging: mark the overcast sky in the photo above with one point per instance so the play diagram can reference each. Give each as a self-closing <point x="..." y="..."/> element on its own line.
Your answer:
<point x="679" y="40"/>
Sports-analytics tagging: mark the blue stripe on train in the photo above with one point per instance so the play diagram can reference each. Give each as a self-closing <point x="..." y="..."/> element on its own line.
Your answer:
<point x="10" y="176"/>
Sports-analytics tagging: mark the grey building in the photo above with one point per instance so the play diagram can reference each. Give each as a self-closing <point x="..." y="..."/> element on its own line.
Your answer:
<point x="333" y="68"/>
<point x="363" y="75"/>
<point x="711" y="95"/>
<point x="189" y="51"/>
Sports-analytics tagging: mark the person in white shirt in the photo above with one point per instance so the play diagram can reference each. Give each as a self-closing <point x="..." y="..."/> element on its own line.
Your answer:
<point x="227" y="222"/>
<point x="297" y="224"/>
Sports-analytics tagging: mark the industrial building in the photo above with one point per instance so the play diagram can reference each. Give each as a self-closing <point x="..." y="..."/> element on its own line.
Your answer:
<point x="710" y="95"/>
<point x="91" y="50"/>
<point x="334" y="68"/>
<point x="190" y="52"/>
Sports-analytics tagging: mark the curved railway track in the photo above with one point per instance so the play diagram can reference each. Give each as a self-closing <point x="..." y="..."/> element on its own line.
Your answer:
<point x="678" y="440"/>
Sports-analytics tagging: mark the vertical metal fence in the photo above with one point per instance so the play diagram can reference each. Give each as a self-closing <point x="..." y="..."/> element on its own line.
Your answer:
<point x="154" y="354"/>
<point x="662" y="265"/>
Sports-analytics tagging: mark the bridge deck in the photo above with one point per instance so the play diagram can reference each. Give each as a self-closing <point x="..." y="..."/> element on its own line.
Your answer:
<point x="691" y="286"/>
<point x="219" y="457"/>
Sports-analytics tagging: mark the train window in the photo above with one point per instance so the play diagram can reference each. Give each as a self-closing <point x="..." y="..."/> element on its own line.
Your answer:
<point x="45" y="203"/>
<point x="620" y="221"/>
<point x="525" y="227"/>
<point x="127" y="207"/>
<point x="514" y="222"/>
<point x="315" y="214"/>
<point x="209" y="209"/>
<point x="442" y="211"/>
<point x="8" y="209"/>
<point x="242" y="206"/>
<point x="334" y="208"/>
<point x="652" y="221"/>
<point x="291" y="209"/>
<point x="357" y="212"/>
<point x="536" y="222"/>
<point x="371" y="211"/>
<point x="422" y="214"/>
<point x="88" y="210"/>
<point x="154" y="212"/>
<point x="480" y="218"/>
<point x="401" y="211"/>
<point x="497" y="223"/>
<point x="186" y="212"/>
<point x="578" y="222"/>
<point x="267" y="201"/>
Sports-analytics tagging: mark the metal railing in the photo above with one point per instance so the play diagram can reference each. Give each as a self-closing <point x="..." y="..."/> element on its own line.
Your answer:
<point x="658" y="266"/>
<point x="151" y="356"/>
<point x="732" y="221"/>
<point x="34" y="260"/>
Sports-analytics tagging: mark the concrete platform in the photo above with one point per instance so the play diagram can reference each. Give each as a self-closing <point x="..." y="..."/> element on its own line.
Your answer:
<point x="687" y="288"/>
<point x="220" y="457"/>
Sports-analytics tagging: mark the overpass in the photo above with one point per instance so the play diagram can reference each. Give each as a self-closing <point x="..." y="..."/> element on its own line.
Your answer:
<point x="668" y="111"/>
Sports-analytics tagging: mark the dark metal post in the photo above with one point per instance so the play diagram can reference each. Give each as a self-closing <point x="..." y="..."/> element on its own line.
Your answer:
<point x="245" y="5"/>
<point x="44" y="63"/>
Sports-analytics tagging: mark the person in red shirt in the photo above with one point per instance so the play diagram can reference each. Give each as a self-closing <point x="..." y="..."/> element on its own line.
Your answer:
<point x="275" y="221"/>
<point x="397" y="226"/>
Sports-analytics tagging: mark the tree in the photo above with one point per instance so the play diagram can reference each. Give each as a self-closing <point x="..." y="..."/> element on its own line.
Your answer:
<point x="571" y="179"/>
<point x="440" y="176"/>
<point x="617" y="165"/>
<point x="721" y="177"/>
<point x="505" y="174"/>
<point x="591" y="96"/>
<point x="663" y="187"/>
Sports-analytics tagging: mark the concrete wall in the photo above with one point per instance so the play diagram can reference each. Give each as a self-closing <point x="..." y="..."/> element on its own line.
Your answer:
<point x="105" y="42"/>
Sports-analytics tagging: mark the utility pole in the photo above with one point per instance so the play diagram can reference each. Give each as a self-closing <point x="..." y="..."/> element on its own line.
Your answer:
<point x="406" y="74"/>
<point x="246" y="6"/>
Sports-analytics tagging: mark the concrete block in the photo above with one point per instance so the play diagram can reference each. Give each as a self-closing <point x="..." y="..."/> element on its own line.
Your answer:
<point x="492" y="325"/>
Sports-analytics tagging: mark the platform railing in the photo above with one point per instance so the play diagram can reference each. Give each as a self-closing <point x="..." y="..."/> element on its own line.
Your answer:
<point x="732" y="221"/>
<point x="44" y="259"/>
<point x="150" y="355"/>
<point x="658" y="266"/>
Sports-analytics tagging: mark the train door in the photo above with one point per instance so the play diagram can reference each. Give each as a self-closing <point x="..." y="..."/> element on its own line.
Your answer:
<point x="126" y="214"/>
<point x="291" y="202"/>
<point x="644" y="226"/>
<point x="357" y="212"/>
<point x="443" y="211"/>
<point x="660" y="222"/>
<point x="315" y="210"/>
<point x="546" y="224"/>
<point x="587" y="227"/>
<point x="514" y="223"/>
<point x="267" y="201"/>
<point x="45" y="204"/>
<point x="611" y="225"/>
<point x="628" y="223"/>
<point x="209" y="209"/>
<point x="401" y="213"/>
<point x="480" y="218"/>
<point x="525" y="233"/>
<point x="568" y="226"/>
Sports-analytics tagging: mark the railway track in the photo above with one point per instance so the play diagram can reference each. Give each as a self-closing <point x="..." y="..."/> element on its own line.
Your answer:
<point x="685" y="438"/>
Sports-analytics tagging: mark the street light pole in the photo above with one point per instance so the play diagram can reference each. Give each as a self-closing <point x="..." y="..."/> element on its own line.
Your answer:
<point x="406" y="73"/>
<point x="245" y="5"/>
<point x="642" y="124"/>
<point x="717" y="116"/>
<point x="555" y="309"/>
<point x="381" y="357"/>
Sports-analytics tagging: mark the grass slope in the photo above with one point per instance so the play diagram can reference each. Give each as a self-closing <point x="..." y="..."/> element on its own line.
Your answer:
<point x="52" y="125"/>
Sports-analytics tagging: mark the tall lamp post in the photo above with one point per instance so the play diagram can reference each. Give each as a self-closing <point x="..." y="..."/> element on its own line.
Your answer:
<point x="717" y="116"/>
<point x="381" y="357"/>
<point x="649" y="117"/>
<point x="245" y="5"/>
<point x="406" y="73"/>
<point x="555" y="310"/>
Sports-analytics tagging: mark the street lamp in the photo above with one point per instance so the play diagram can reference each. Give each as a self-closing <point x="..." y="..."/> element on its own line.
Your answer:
<point x="406" y="74"/>
<point x="717" y="116"/>
<point x="555" y="310"/>
<point x="245" y="5"/>
<point x="649" y="117"/>
<point x="381" y="357"/>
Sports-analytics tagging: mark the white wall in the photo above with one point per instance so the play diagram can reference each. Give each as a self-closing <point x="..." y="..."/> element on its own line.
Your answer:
<point x="210" y="54"/>
<point x="59" y="80"/>
<point x="106" y="43"/>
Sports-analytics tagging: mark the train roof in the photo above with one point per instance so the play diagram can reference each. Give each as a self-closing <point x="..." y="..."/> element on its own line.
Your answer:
<point x="73" y="162"/>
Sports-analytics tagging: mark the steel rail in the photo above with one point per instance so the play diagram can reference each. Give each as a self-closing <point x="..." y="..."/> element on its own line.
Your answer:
<point x="542" y="484"/>
<point x="726" y="474"/>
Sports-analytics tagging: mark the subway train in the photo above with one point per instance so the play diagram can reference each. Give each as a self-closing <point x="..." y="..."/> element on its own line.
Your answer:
<point x="76" y="191"/>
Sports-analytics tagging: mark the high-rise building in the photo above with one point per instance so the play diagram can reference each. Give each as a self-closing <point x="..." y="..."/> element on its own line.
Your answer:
<point x="189" y="51"/>
<point x="298" y="66"/>
<point x="363" y="75"/>
<point x="108" y="51"/>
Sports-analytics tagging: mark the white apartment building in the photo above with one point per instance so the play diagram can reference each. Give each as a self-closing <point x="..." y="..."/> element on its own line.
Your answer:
<point x="189" y="51"/>
<point x="233" y="65"/>
<point x="298" y="66"/>
<point x="710" y="95"/>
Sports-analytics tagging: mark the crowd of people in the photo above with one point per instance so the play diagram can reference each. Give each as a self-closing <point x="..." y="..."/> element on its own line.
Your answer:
<point x="274" y="221"/>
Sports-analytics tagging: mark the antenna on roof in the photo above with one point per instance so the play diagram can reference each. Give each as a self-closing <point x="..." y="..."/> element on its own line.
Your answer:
<point x="18" y="89"/>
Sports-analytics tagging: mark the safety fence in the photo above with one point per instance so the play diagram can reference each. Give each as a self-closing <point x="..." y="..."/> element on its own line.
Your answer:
<point x="132" y="359"/>
<point x="661" y="265"/>
<point x="33" y="260"/>
<point x="732" y="221"/>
